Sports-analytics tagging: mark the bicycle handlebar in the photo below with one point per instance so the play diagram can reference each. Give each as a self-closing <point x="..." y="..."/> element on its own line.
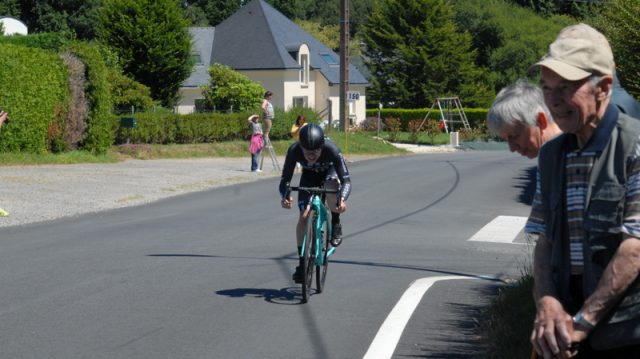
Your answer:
<point x="314" y="190"/>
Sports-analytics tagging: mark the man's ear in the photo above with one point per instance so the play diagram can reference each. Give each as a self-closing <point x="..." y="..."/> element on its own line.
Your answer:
<point x="542" y="120"/>
<point x="604" y="87"/>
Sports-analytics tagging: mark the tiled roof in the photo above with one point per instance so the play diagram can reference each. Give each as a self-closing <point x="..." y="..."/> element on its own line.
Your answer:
<point x="258" y="37"/>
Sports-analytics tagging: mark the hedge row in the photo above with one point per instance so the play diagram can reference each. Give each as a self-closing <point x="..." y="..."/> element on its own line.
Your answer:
<point x="475" y="116"/>
<point x="35" y="94"/>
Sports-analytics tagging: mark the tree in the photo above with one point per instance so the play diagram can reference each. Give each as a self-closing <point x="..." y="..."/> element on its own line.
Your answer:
<point x="72" y="16"/>
<point x="215" y="11"/>
<point x="575" y="8"/>
<point x="151" y="39"/>
<point x="10" y="8"/>
<point x="415" y="55"/>
<point x="620" y="22"/>
<point x="230" y="90"/>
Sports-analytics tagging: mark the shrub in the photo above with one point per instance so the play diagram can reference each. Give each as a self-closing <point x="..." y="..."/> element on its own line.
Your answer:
<point x="393" y="127"/>
<point x="99" y="136"/>
<point x="36" y="99"/>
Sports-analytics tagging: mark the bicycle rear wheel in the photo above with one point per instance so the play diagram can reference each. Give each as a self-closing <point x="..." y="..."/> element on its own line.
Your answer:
<point x="308" y="258"/>
<point x="321" y="271"/>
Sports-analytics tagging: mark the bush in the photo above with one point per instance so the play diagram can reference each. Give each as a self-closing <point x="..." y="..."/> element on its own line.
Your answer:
<point x="99" y="136"/>
<point x="393" y="126"/>
<point x="36" y="94"/>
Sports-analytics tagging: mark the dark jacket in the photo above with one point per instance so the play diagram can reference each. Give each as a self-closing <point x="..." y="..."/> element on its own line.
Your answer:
<point x="604" y="213"/>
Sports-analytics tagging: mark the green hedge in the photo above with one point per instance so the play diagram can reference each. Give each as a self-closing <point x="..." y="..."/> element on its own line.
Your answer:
<point x="165" y="127"/>
<point x="98" y="137"/>
<point x="46" y="40"/>
<point x="35" y="94"/>
<point x="475" y="116"/>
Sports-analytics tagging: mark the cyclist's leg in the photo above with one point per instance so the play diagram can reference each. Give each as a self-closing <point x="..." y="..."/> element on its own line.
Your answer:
<point x="332" y="182"/>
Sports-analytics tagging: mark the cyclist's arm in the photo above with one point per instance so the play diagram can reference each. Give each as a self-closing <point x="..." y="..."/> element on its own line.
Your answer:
<point x="341" y="170"/>
<point x="287" y="169"/>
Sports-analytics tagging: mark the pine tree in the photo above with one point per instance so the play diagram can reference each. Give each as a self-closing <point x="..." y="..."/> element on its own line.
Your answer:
<point x="415" y="55"/>
<point x="152" y="42"/>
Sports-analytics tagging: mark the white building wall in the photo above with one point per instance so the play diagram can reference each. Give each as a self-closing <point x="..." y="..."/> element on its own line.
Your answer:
<point x="188" y="97"/>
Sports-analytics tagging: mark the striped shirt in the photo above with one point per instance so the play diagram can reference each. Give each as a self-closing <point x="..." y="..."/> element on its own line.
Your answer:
<point x="578" y="166"/>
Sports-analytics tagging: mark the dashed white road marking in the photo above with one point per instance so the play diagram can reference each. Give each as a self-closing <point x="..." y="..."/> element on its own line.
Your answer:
<point x="503" y="229"/>
<point x="386" y="340"/>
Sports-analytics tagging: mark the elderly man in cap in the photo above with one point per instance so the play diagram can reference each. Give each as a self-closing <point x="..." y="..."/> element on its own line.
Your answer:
<point x="586" y="211"/>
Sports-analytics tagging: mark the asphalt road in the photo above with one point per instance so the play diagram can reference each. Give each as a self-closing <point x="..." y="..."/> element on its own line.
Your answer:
<point x="207" y="274"/>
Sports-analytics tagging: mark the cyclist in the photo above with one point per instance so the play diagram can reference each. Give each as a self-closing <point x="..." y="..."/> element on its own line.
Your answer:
<point x="322" y="164"/>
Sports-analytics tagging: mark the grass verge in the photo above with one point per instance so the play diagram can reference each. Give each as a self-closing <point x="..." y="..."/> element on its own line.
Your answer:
<point x="352" y="143"/>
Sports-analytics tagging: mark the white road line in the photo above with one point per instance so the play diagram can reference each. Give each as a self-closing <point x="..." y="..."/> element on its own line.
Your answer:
<point x="386" y="340"/>
<point x="503" y="229"/>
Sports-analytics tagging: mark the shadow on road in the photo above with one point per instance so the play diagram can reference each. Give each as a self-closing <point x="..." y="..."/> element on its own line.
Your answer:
<point x="526" y="182"/>
<point x="283" y="296"/>
<point x="458" y="335"/>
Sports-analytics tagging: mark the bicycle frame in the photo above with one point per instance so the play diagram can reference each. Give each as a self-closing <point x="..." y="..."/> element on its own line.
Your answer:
<point x="323" y="218"/>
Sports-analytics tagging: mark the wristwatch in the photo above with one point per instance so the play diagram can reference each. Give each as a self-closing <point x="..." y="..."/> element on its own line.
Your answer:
<point x="579" y="319"/>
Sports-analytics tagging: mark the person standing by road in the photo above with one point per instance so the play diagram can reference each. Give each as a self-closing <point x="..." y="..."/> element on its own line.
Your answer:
<point x="295" y="128"/>
<point x="268" y="113"/>
<point x="256" y="143"/>
<point x="586" y="212"/>
<point x="519" y="116"/>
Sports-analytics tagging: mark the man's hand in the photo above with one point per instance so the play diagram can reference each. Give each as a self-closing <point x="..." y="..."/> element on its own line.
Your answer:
<point x="552" y="330"/>
<point x="286" y="202"/>
<point x="342" y="207"/>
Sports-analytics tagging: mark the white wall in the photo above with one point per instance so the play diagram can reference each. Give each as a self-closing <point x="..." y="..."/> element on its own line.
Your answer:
<point x="187" y="104"/>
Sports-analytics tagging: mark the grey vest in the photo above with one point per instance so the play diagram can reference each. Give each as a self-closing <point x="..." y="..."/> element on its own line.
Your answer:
<point x="603" y="217"/>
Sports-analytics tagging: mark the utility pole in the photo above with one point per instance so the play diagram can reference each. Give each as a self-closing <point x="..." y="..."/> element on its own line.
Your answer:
<point x="344" y="63"/>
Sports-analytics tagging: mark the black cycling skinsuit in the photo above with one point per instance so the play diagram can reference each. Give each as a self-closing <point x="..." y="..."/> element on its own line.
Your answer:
<point x="328" y="166"/>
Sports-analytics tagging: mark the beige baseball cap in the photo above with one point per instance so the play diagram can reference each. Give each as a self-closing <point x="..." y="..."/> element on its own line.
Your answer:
<point x="578" y="52"/>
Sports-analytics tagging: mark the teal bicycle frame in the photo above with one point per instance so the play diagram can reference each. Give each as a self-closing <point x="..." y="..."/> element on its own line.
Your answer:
<point x="323" y="218"/>
<point x="315" y="251"/>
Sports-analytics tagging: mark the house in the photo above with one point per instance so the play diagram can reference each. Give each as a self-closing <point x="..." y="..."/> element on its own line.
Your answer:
<point x="264" y="45"/>
<point x="13" y="26"/>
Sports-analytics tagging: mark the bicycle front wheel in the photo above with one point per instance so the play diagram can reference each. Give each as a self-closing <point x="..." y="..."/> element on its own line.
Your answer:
<point x="321" y="270"/>
<point x="308" y="257"/>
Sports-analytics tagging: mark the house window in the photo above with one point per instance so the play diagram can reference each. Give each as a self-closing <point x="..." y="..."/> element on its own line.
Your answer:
<point x="197" y="59"/>
<point x="304" y="69"/>
<point x="300" y="101"/>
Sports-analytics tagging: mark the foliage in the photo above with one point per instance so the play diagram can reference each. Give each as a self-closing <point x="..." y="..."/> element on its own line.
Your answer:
<point x="393" y="126"/>
<point x="576" y="9"/>
<point x="167" y="128"/>
<point x="415" y="127"/>
<point x="503" y="38"/>
<point x="231" y="90"/>
<point x="620" y="22"/>
<point x="415" y="54"/>
<point x="215" y="11"/>
<point x="510" y="314"/>
<point x="128" y="93"/>
<point x="475" y="116"/>
<point x="46" y="40"/>
<point x="74" y="17"/>
<point x="432" y="128"/>
<point x="152" y="42"/>
<point x="329" y="35"/>
<point x="98" y="136"/>
<point x="10" y="8"/>
<point x="37" y="100"/>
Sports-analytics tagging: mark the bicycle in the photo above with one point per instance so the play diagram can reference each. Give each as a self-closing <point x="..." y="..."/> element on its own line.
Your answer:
<point x="316" y="245"/>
